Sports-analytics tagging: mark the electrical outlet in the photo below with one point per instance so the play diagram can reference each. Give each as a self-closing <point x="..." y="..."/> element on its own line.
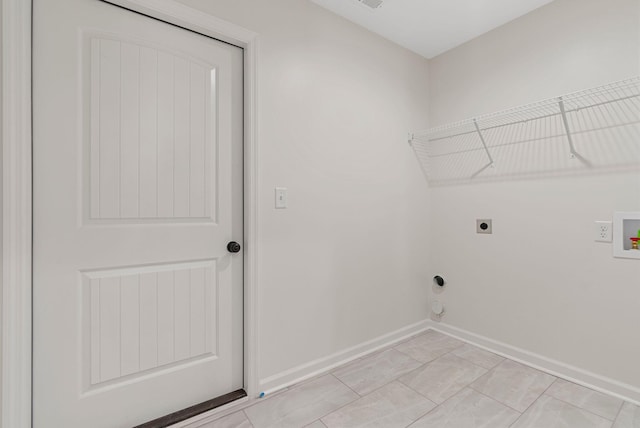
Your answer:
<point x="484" y="226"/>
<point x="603" y="231"/>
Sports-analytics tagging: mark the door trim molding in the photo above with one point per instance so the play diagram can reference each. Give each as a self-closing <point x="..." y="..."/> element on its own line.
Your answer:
<point x="16" y="213"/>
<point x="17" y="190"/>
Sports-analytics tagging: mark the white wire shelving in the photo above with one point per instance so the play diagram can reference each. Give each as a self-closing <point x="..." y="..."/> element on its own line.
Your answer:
<point x="596" y="128"/>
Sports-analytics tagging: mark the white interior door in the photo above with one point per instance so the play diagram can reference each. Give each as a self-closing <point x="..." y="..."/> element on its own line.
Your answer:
<point x="137" y="191"/>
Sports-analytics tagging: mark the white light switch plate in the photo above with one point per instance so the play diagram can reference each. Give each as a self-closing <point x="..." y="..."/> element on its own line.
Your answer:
<point x="603" y="231"/>
<point x="281" y="197"/>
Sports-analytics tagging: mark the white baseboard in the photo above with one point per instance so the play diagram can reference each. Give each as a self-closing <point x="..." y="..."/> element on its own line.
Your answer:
<point x="280" y="381"/>
<point x="556" y="368"/>
<point x="321" y="365"/>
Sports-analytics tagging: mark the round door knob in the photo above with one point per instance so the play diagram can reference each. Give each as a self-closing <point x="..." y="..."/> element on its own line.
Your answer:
<point x="233" y="247"/>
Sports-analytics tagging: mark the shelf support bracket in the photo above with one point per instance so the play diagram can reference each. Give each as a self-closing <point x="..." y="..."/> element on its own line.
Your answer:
<point x="486" y="149"/>
<point x="572" y="148"/>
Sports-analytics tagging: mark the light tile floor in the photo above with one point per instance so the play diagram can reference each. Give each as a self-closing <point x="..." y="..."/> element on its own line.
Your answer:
<point x="434" y="381"/>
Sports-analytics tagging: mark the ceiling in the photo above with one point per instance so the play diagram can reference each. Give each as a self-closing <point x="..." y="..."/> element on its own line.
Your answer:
<point x="431" y="27"/>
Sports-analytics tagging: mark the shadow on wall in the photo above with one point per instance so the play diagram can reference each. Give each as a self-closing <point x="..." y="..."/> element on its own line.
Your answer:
<point x="589" y="132"/>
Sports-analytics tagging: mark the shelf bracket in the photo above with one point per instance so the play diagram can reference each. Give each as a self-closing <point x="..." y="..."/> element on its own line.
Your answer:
<point x="572" y="148"/>
<point x="486" y="149"/>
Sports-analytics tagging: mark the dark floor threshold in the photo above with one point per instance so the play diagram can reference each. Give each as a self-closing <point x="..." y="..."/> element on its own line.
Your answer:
<point x="189" y="412"/>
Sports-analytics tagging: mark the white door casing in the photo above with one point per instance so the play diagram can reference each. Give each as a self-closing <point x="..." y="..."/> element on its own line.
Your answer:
<point x="16" y="214"/>
<point x="137" y="304"/>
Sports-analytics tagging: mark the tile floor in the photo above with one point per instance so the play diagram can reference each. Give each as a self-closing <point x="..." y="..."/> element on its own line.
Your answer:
<point x="434" y="381"/>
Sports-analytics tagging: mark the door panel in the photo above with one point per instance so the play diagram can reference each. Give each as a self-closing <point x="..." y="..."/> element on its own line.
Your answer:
<point x="137" y="190"/>
<point x="143" y="318"/>
<point x="153" y="141"/>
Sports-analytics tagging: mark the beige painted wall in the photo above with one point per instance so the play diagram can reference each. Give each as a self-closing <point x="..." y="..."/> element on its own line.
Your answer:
<point x="346" y="262"/>
<point x="540" y="282"/>
<point x="1" y="190"/>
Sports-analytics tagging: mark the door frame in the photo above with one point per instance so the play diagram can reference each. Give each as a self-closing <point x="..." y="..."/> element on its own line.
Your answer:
<point x="17" y="222"/>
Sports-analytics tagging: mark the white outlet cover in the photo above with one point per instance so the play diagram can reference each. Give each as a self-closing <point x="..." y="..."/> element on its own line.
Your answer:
<point x="603" y="231"/>
<point x="437" y="307"/>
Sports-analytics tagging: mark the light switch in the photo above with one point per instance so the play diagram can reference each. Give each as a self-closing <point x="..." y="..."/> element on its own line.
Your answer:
<point x="281" y="197"/>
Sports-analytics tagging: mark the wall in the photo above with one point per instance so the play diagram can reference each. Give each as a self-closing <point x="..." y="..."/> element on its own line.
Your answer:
<point x="346" y="262"/>
<point x="1" y="213"/>
<point x="540" y="282"/>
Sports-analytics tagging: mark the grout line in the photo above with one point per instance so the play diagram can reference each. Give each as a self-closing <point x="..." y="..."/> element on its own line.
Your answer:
<point x="534" y="402"/>
<point x="619" y="412"/>
<point x="496" y="400"/>
<point x="437" y="358"/>
<point x="437" y="406"/>
<point x="245" y="415"/>
<point x="339" y="380"/>
<point x="582" y="408"/>
<point x="407" y="355"/>
<point x="440" y="405"/>
<point x="416" y="391"/>
<point x="396" y="377"/>
<point x="341" y="407"/>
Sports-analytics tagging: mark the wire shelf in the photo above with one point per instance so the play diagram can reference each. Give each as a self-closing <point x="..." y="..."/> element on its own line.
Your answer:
<point x="591" y="129"/>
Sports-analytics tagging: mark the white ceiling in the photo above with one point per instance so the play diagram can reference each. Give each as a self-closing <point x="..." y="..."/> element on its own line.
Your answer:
<point x="431" y="27"/>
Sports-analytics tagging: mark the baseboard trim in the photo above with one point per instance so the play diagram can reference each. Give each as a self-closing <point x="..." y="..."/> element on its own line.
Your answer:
<point x="322" y="365"/>
<point x="554" y="367"/>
